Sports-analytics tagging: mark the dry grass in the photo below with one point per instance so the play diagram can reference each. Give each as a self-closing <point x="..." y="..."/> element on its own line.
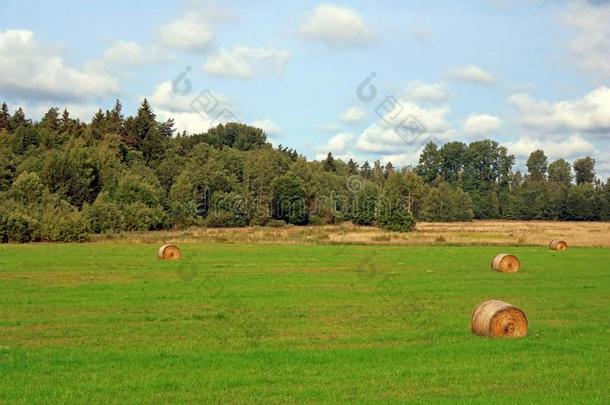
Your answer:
<point x="516" y="233"/>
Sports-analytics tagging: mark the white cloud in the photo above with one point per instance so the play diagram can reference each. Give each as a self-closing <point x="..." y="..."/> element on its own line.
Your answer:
<point x="353" y="115"/>
<point x="191" y="32"/>
<point x="338" y="27"/>
<point x="384" y="138"/>
<point x="591" y="113"/>
<point x="481" y="124"/>
<point x="329" y="128"/>
<point x="33" y="70"/>
<point x="602" y="167"/>
<point x="130" y="53"/>
<point x="571" y="147"/>
<point x="407" y="158"/>
<point x="244" y="62"/>
<point x="271" y="128"/>
<point x="432" y="92"/>
<point x="591" y="44"/>
<point x="164" y="97"/>
<point x="186" y="110"/>
<point x="340" y="142"/>
<point x="339" y="145"/>
<point x="191" y="122"/>
<point x="472" y="74"/>
<point x="564" y="129"/>
<point x="36" y="111"/>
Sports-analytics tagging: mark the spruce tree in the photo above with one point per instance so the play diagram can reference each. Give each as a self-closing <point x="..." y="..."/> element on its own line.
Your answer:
<point x="5" y="118"/>
<point x="18" y="120"/>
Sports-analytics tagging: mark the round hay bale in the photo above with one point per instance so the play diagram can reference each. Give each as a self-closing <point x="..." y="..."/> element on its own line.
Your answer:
<point x="558" y="244"/>
<point x="168" y="252"/>
<point x="495" y="318"/>
<point x="505" y="263"/>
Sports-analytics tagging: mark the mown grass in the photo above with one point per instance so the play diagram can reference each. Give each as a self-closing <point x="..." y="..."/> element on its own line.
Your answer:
<point x="108" y="323"/>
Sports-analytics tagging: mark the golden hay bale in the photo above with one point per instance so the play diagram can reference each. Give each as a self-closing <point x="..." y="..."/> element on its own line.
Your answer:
<point x="557" y="244"/>
<point x="495" y="318"/>
<point x="506" y="263"/>
<point x="168" y="252"/>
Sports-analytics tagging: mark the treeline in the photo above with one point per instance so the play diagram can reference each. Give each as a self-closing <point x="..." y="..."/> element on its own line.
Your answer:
<point x="62" y="179"/>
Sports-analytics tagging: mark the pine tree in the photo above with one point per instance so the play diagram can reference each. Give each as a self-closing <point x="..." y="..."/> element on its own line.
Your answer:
<point x="352" y="167"/>
<point x="329" y="163"/>
<point x="144" y="122"/>
<point x="115" y="119"/>
<point x="66" y="122"/>
<point x="388" y="169"/>
<point x="18" y="120"/>
<point x="5" y="118"/>
<point x="365" y="170"/>
<point x="98" y="124"/>
<point x="50" y="120"/>
<point x="377" y="173"/>
<point x="167" y="128"/>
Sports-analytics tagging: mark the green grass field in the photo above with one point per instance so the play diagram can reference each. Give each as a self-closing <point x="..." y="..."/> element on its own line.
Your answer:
<point x="104" y="323"/>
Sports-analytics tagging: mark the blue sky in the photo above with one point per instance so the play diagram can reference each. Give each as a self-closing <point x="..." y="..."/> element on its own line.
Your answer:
<point x="530" y="74"/>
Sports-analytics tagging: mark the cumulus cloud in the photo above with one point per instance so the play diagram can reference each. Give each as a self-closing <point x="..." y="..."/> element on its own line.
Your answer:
<point x="406" y="158"/>
<point x="481" y="124"/>
<point x="130" y="53"/>
<point x="36" y="111"/>
<point x="339" y="145"/>
<point x="329" y="128"/>
<point x="591" y="43"/>
<point x="472" y="74"/>
<point x="244" y="62"/>
<point x="432" y="92"/>
<point x="353" y="115"/>
<point x="338" y="27"/>
<point x="563" y="129"/>
<point x="602" y="167"/>
<point x="189" y="121"/>
<point x="567" y="148"/>
<point x="590" y="114"/>
<point x="391" y="134"/>
<point x="193" y="113"/>
<point x="32" y="70"/>
<point x="191" y="32"/>
<point x="271" y="128"/>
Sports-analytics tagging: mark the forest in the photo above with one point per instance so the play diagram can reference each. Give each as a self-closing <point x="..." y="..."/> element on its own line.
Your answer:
<point x="62" y="179"/>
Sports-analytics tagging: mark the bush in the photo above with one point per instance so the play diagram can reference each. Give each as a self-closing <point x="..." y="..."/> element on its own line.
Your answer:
<point x="289" y="200"/>
<point x="276" y="223"/>
<point x="133" y="189"/>
<point x="222" y="219"/>
<point x="27" y="188"/>
<point x="139" y="217"/>
<point x="395" y="218"/>
<point x="17" y="227"/>
<point x="63" y="227"/>
<point x="183" y="214"/>
<point x="261" y="215"/>
<point x="365" y="203"/>
<point x="228" y="210"/>
<point x="103" y="215"/>
<point x="446" y="203"/>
